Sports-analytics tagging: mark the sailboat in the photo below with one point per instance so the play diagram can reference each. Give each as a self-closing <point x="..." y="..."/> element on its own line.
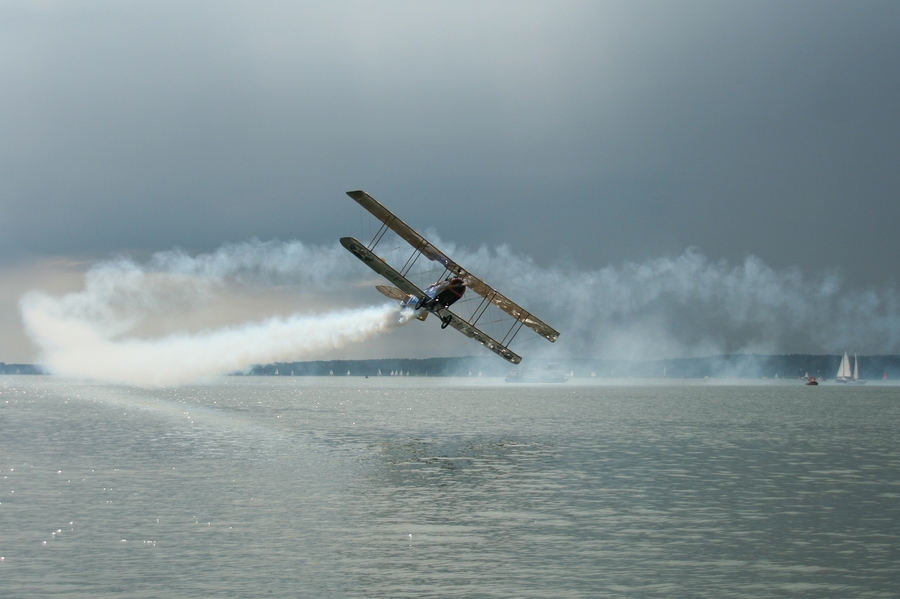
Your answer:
<point x="856" y="378"/>
<point x="845" y="375"/>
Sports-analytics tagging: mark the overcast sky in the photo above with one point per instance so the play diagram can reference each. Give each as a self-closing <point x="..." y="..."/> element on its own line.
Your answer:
<point x="578" y="133"/>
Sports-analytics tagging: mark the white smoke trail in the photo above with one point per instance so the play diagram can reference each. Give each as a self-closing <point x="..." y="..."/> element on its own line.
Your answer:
<point x="666" y="307"/>
<point x="91" y="333"/>
<point x="73" y="347"/>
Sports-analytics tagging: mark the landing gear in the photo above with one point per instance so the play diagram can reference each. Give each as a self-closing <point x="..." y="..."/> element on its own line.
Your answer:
<point x="445" y="321"/>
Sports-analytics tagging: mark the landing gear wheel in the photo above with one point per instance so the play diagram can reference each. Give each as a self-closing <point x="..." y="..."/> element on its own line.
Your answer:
<point x="445" y="322"/>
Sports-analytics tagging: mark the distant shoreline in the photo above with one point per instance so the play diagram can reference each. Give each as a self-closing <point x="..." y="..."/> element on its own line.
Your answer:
<point x="790" y="366"/>
<point x="733" y="366"/>
<point x="21" y="369"/>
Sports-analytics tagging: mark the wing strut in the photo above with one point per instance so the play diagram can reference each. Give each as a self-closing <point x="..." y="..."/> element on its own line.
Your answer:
<point x="518" y="328"/>
<point x="378" y="235"/>
<point x="476" y="315"/>
<point x="410" y="262"/>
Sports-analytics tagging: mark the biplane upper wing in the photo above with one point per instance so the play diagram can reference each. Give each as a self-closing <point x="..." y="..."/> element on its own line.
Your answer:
<point x="472" y="282"/>
<point x="407" y="286"/>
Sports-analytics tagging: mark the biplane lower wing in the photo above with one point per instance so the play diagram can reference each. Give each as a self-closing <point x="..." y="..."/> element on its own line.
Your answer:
<point x="381" y="267"/>
<point x="478" y="335"/>
<point x="405" y="285"/>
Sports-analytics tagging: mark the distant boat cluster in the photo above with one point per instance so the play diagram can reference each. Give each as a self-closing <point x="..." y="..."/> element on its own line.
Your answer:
<point x="845" y="374"/>
<point x="393" y="373"/>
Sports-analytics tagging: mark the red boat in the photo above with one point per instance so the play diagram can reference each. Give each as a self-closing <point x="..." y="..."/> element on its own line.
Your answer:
<point x="812" y="381"/>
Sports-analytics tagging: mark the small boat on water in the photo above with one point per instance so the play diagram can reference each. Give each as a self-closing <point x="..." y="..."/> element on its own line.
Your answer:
<point x="812" y="381"/>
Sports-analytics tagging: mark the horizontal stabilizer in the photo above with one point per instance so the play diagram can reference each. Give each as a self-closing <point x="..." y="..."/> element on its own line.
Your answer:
<point x="391" y="292"/>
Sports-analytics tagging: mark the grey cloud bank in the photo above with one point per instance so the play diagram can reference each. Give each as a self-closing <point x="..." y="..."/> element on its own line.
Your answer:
<point x="601" y="136"/>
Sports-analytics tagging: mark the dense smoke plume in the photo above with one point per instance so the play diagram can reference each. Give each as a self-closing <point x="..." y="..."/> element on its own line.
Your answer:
<point x="122" y="326"/>
<point x="93" y="333"/>
<point x="687" y="306"/>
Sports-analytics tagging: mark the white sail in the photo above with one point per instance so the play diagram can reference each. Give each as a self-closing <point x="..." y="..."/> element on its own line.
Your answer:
<point x="855" y="368"/>
<point x="844" y="372"/>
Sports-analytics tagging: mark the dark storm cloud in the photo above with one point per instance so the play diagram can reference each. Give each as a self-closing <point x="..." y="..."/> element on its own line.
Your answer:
<point x="597" y="132"/>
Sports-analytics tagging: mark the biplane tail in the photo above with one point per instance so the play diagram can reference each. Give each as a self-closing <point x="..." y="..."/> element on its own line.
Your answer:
<point x="391" y="292"/>
<point x="409" y="301"/>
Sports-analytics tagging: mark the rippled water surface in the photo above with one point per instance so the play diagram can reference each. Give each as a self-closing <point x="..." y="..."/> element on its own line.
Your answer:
<point x="412" y="487"/>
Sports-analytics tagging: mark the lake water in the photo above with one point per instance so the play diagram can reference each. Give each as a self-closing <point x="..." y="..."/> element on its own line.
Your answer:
<point x="430" y="487"/>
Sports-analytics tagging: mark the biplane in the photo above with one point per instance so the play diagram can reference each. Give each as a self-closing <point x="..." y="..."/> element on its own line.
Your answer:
<point x="449" y="287"/>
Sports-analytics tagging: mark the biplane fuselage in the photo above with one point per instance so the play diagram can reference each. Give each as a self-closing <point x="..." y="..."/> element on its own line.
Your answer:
<point x="439" y="296"/>
<point x="445" y="293"/>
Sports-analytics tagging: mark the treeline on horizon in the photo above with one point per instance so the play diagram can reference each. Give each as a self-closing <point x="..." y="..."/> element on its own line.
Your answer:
<point x="20" y="369"/>
<point x="724" y="366"/>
